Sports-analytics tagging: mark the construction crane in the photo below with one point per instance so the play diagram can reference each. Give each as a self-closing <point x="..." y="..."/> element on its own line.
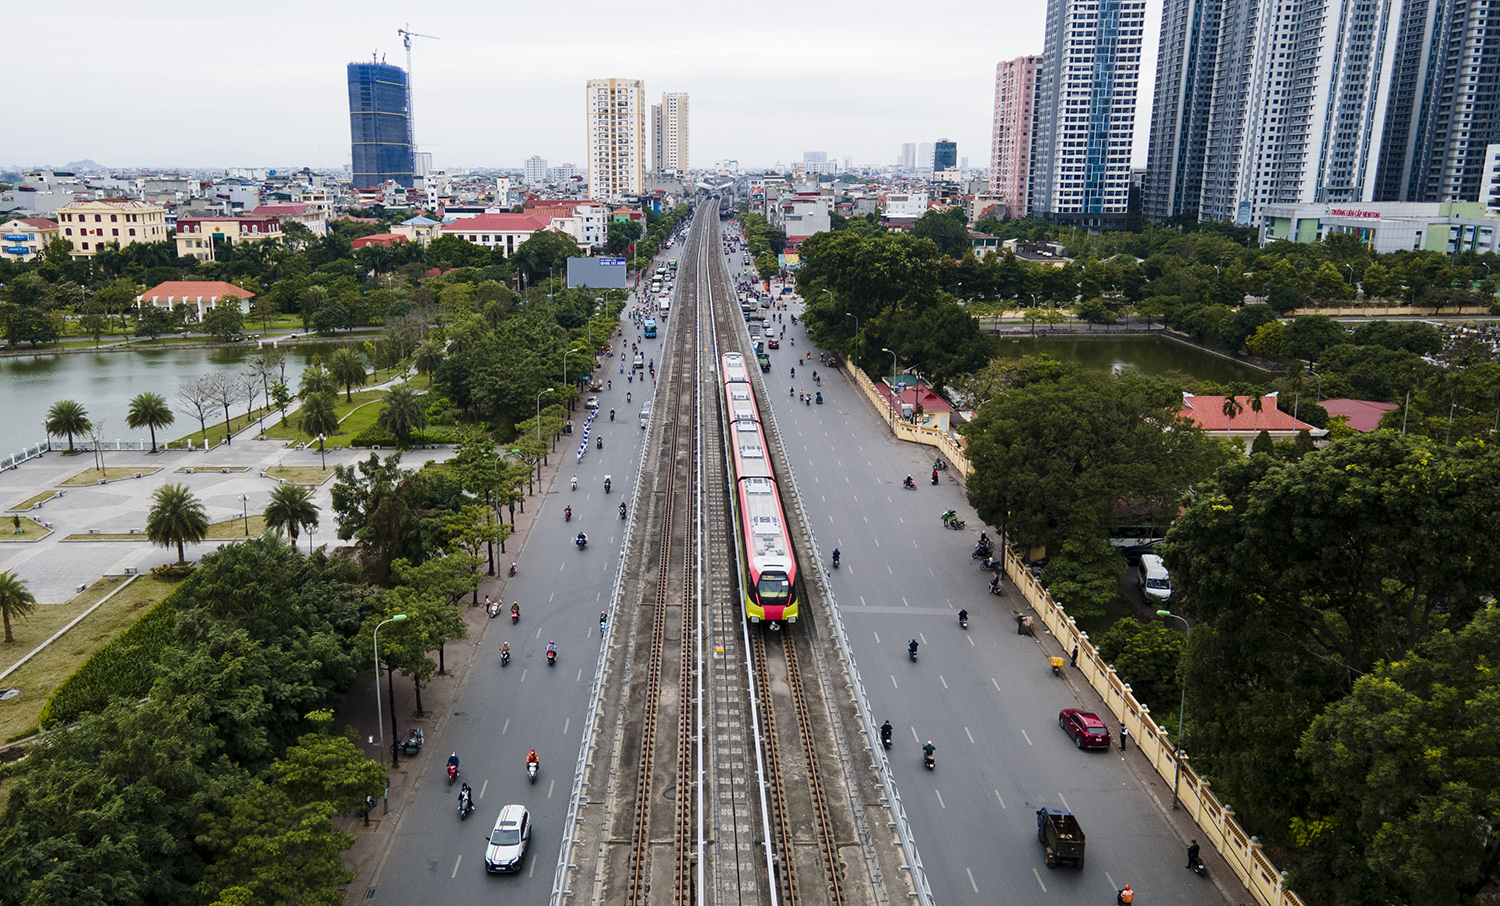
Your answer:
<point x="411" y="117"/>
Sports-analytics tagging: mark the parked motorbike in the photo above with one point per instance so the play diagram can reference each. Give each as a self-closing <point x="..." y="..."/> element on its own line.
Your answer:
<point x="413" y="743"/>
<point x="1199" y="868"/>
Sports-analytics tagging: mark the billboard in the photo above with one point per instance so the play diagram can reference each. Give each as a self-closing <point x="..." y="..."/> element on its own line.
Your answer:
<point x="596" y="273"/>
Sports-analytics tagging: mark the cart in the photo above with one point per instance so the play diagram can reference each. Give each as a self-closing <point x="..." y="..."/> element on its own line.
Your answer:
<point x="1060" y="836"/>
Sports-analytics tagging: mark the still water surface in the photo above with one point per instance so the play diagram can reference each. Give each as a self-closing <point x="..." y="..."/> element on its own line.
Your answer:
<point x="106" y="382"/>
<point x="1152" y="355"/>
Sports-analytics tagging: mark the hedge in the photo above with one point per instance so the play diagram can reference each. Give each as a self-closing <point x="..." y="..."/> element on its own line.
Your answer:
<point x="125" y="668"/>
<point x="378" y="438"/>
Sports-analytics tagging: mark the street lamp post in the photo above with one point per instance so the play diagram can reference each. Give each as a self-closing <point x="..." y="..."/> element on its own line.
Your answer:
<point x="245" y="512"/>
<point x="322" y="452"/>
<point x="893" y="388"/>
<point x="379" y="720"/>
<point x="566" y="353"/>
<point x="539" y="413"/>
<point x="1181" y="712"/>
<point x="856" y="333"/>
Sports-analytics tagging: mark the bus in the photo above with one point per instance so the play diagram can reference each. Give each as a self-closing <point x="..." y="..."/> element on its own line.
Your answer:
<point x="666" y="306"/>
<point x="650" y="329"/>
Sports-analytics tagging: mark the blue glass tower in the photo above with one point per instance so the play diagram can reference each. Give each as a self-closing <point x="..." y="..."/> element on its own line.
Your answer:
<point x="380" y="125"/>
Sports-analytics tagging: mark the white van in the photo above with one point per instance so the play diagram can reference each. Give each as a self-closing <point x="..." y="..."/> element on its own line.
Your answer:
<point x="1154" y="578"/>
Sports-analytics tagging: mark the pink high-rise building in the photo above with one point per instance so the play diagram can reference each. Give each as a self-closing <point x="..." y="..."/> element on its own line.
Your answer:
<point x="1010" y="143"/>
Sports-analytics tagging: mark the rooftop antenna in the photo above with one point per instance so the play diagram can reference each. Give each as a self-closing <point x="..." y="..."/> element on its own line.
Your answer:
<point x="411" y="117"/>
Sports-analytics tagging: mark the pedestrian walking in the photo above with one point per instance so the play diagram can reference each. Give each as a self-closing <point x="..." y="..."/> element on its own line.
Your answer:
<point x="1124" y="735"/>
<point x="1075" y="654"/>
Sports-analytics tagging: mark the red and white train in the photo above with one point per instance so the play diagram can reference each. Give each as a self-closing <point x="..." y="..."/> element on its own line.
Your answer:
<point x="767" y="564"/>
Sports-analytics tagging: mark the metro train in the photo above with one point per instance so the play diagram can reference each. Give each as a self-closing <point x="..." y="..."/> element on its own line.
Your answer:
<point x="768" y="567"/>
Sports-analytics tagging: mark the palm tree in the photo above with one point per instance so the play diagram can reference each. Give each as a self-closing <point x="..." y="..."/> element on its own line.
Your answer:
<point x="1232" y="407"/>
<point x="291" y="508"/>
<point x="16" y="601"/>
<point x="67" y="417"/>
<point x="347" y="367"/>
<point x="429" y="357"/>
<point x="176" y="517"/>
<point x="318" y="417"/>
<point x="403" y="413"/>
<point x="149" y="410"/>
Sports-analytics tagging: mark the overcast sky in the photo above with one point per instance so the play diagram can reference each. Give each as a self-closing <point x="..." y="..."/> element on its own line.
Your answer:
<point x="157" y="84"/>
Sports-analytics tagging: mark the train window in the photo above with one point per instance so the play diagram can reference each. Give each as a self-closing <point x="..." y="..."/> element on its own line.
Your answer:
<point x="773" y="589"/>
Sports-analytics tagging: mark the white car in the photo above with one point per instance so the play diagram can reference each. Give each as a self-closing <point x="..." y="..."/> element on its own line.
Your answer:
<point x="507" y="842"/>
<point x="591" y="403"/>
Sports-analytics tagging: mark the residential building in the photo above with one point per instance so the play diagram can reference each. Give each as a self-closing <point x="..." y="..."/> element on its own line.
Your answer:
<point x="908" y="156"/>
<point x="945" y="155"/>
<point x="802" y="216"/>
<point x="1392" y="226"/>
<point x="419" y="229"/>
<point x="389" y="240"/>
<point x="905" y="205"/>
<point x="380" y="125"/>
<point x="1186" y="66"/>
<point x="1246" y="424"/>
<point x="24" y="238"/>
<point x="1085" y="112"/>
<point x="310" y="216"/>
<point x="505" y="232"/>
<point x="616" y="127"/>
<point x="924" y="156"/>
<point x="535" y="171"/>
<point x="669" y="133"/>
<point x="1489" y="186"/>
<point x="587" y="222"/>
<point x="1010" y="135"/>
<point x="92" y="225"/>
<point x="202" y="295"/>
<point x="201" y="237"/>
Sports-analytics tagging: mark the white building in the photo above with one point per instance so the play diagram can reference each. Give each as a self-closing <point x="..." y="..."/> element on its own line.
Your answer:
<point x="616" y="126"/>
<point x="1085" y="112"/>
<point x="905" y="205"/>
<point x="1489" y="186"/>
<point x="499" y="231"/>
<point x="669" y="133"/>
<point x="535" y="171"/>
<point x="802" y="216"/>
<point x="1393" y="226"/>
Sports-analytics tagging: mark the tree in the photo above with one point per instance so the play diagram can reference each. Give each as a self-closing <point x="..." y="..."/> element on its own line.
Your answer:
<point x="149" y="410"/>
<point x="152" y="322"/>
<point x="94" y="318"/>
<point x="1307" y="336"/>
<point x="1083" y="575"/>
<point x="544" y="254"/>
<point x="290" y="508"/>
<point x="280" y="397"/>
<point x="67" y="417"/>
<point x="347" y="367"/>
<point x="948" y="230"/>
<point x="224" y="321"/>
<point x="176" y="517"/>
<point x="622" y="233"/>
<point x="195" y="398"/>
<point x="402" y="413"/>
<point x="16" y="602"/>
<point x="1146" y="656"/>
<point x="429" y="357"/>
<point x="222" y="390"/>
<point x="318" y="417"/>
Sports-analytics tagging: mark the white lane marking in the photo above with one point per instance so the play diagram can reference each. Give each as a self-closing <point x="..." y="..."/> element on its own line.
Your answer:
<point x="971" y="642"/>
<point x="939" y="794"/>
<point x="877" y="638"/>
<point x="506" y="726"/>
<point x="538" y="633"/>
<point x="551" y="596"/>
<point x="565" y="725"/>
<point x="893" y="685"/>
<point x="1044" y="886"/>
<point x="922" y="637"/>
<point x="904" y="602"/>
<point x="482" y="787"/>
<point x="971" y="880"/>
<point x="455" y="867"/>
<point x="943" y="681"/>
<point x="889" y="570"/>
<point x="579" y="677"/>
<point x="915" y="736"/>
<point x="877" y="541"/>
<point x="523" y="673"/>
<point x="1002" y="801"/>
<point x="996" y="682"/>
<point x="861" y="600"/>
<point x="968" y="734"/>
<point x="532" y="872"/>
<point x="1028" y="738"/>
<point x="551" y="785"/>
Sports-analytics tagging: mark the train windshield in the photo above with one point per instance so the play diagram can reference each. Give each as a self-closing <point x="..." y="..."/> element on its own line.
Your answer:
<point x="774" y="590"/>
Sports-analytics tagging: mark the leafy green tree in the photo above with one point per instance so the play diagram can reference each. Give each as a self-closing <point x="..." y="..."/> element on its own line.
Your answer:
<point x="280" y="397"/>
<point x="402" y="413"/>
<point x="335" y="315"/>
<point x="347" y="368"/>
<point x="1084" y="575"/>
<point x="290" y="508"/>
<point x="1378" y="282"/>
<point x="1263" y="444"/>
<point x="94" y="319"/>
<point x="149" y="410"/>
<point x="1306" y="337"/>
<point x="16" y="601"/>
<point x="176" y="517"/>
<point x="544" y="254"/>
<point x="429" y="356"/>
<point x="318" y="417"/>
<point x="1405" y="777"/>
<point x="1267" y="340"/>
<point x="1328" y="284"/>
<point x="1094" y="311"/>
<point x="1146" y="656"/>
<point x="66" y="417"/>
<point x="224" y="321"/>
<point x="152" y="322"/>
<point x="621" y="234"/>
<point x="948" y="230"/>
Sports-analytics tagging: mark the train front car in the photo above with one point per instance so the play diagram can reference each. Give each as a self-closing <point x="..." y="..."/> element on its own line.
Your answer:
<point x="767" y="565"/>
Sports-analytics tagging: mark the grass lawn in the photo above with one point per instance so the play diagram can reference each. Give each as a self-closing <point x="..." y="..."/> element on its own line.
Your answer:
<point x="30" y="531"/>
<point x="92" y="476"/>
<point x="348" y="427"/>
<point x="106" y="536"/>
<point x="29" y="502"/>
<point x="216" y="428"/>
<point x="234" y="529"/>
<point x="304" y="475"/>
<point x="214" y="468"/>
<point x="43" y="673"/>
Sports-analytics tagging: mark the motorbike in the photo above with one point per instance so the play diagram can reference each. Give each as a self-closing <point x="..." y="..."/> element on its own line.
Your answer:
<point x="835" y="560"/>
<point x="934" y="476"/>
<point x="1057" y="665"/>
<point x="413" y="743"/>
<point x="982" y="550"/>
<point x="951" y="520"/>
<point x="504" y="657"/>
<point x="912" y="650"/>
<point x="994" y="586"/>
<point x="582" y="542"/>
<point x="611" y="415"/>
<point x="567" y="514"/>
<point x="531" y="768"/>
<point x="929" y="761"/>
<point x="818" y="397"/>
<point x="885" y="740"/>
<point x="606" y="484"/>
<point x="513" y="570"/>
<point x="452" y="773"/>
<point x="1199" y="868"/>
<point x="599" y="444"/>
<point x="622" y="511"/>
<point x="465" y="805"/>
<point x="909" y="484"/>
<point x="807" y="399"/>
<point x="552" y="658"/>
<point x="515" y="615"/>
<point x="963" y="621"/>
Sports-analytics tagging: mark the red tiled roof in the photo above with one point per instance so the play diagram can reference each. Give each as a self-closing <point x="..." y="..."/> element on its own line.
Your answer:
<point x="910" y="396"/>
<point x="385" y="239"/>
<point x="1208" y="412"/>
<point x="500" y="223"/>
<point x="40" y="223"/>
<point x="280" y="210"/>
<point x="1363" y="415"/>
<point x="193" y="290"/>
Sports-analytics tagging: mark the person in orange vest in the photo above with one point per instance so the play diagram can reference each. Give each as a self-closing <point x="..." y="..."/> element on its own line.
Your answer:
<point x="1126" y="895"/>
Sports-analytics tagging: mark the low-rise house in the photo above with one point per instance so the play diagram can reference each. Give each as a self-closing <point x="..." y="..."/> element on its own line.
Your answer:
<point x="24" y="238"/>
<point x="201" y="294"/>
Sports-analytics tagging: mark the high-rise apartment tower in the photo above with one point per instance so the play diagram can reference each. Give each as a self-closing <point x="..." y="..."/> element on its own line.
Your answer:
<point x="944" y="154"/>
<point x="617" y="137"/>
<point x="1010" y="136"/>
<point x="669" y="133"/>
<point x="380" y="125"/>
<point x="1085" y="112"/>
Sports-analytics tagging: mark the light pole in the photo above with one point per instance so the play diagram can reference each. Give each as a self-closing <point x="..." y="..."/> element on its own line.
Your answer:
<point x="567" y="352"/>
<point x="322" y="452"/>
<point x="1181" y="712"/>
<point x="893" y="387"/>
<point x="379" y="720"/>
<point x="856" y="334"/>
<point x="245" y="512"/>
<point x="539" y="413"/>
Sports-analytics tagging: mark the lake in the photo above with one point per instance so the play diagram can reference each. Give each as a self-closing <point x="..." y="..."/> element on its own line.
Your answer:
<point x="1151" y="355"/>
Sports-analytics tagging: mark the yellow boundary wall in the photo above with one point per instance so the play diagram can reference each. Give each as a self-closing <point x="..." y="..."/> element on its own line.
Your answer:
<point x="950" y="447"/>
<point x="1215" y="820"/>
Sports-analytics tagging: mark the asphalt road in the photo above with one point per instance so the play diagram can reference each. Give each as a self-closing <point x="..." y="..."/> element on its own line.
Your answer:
<point x="985" y="697"/>
<point x="503" y="713"/>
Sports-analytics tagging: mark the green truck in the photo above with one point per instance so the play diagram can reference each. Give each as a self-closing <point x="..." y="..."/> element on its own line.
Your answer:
<point x="1060" y="836"/>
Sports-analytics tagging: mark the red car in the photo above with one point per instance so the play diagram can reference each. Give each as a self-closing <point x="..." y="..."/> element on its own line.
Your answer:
<point x="774" y="343"/>
<point x="1087" y="730"/>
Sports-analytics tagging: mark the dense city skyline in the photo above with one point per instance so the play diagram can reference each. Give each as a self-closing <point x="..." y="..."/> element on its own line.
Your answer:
<point x="495" y="90"/>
